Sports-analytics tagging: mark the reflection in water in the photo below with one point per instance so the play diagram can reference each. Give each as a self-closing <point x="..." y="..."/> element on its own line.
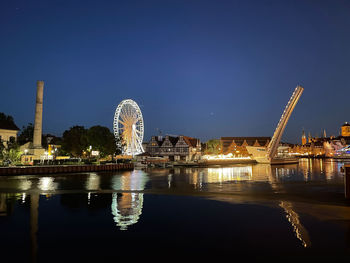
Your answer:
<point x="227" y="174"/>
<point x="47" y="184"/>
<point x="274" y="175"/>
<point x="25" y="185"/>
<point x="130" y="181"/>
<point x="320" y="169"/>
<point x="299" y="230"/>
<point x="34" y="215"/>
<point x="3" y="205"/>
<point x="217" y="175"/>
<point x="306" y="170"/>
<point x="127" y="207"/>
<point x="92" y="182"/>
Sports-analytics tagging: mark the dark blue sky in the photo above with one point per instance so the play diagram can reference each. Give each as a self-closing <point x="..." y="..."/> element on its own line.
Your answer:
<point x="204" y="69"/>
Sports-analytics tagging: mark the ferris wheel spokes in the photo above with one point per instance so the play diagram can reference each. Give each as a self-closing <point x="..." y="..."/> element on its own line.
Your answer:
<point x="128" y="126"/>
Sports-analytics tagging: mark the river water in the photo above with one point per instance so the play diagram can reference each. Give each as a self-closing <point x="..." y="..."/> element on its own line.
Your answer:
<point x="254" y="212"/>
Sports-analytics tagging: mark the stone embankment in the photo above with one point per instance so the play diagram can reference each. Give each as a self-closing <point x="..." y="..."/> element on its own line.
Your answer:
<point x="52" y="169"/>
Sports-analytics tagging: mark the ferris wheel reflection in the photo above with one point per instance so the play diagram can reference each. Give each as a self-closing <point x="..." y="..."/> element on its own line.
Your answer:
<point x="127" y="206"/>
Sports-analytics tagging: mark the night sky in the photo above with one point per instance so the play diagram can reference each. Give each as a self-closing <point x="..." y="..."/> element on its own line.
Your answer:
<point x="204" y="69"/>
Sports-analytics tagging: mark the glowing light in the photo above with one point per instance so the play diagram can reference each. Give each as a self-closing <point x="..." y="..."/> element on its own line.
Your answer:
<point x="93" y="182"/>
<point x="25" y="185"/>
<point x="221" y="175"/>
<point x="135" y="181"/>
<point x="47" y="184"/>
<point x="299" y="230"/>
<point x="126" y="212"/>
<point x="128" y="126"/>
<point x="227" y="174"/>
<point x="229" y="156"/>
<point x="127" y="207"/>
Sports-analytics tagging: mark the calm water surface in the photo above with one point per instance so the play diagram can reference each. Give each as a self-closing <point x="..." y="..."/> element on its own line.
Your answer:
<point x="251" y="211"/>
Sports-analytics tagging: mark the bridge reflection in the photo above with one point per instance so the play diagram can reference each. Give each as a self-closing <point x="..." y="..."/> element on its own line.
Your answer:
<point x="125" y="191"/>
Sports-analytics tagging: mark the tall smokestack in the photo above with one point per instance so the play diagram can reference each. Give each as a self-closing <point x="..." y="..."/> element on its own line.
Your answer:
<point x="38" y="114"/>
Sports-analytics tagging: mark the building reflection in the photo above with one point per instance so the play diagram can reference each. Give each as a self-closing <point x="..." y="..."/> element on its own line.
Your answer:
<point x="127" y="206"/>
<point x="227" y="174"/>
<point x="273" y="175"/>
<point x="320" y="169"/>
<point x="126" y="201"/>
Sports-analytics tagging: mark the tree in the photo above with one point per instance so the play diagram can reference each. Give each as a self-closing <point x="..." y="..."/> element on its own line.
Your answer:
<point x="213" y="147"/>
<point x="10" y="153"/>
<point x="6" y="118"/>
<point x="120" y="144"/>
<point x="2" y="149"/>
<point x="101" y="139"/>
<point x="75" y="141"/>
<point x="26" y="134"/>
<point x="7" y="122"/>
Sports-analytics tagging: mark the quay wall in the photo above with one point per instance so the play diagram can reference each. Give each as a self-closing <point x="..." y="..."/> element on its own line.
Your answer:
<point x="52" y="169"/>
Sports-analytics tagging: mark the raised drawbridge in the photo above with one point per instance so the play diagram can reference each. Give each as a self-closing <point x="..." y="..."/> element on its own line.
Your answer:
<point x="268" y="154"/>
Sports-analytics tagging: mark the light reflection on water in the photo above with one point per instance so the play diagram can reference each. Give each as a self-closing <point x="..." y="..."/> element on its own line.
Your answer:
<point x="127" y="207"/>
<point x="300" y="232"/>
<point x="92" y="182"/>
<point x="307" y="170"/>
<point x="227" y="174"/>
<point x="126" y="188"/>
<point x="47" y="184"/>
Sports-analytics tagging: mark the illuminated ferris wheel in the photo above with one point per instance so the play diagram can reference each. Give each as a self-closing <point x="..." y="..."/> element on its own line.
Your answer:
<point x="128" y="127"/>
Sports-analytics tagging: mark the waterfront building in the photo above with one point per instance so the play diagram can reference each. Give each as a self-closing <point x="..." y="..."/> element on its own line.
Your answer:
<point x="324" y="146"/>
<point x="345" y="130"/>
<point x="175" y="148"/>
<point x="309" y="149"/>
<point x="237" y="145"/>
<point x="8" y="132"/>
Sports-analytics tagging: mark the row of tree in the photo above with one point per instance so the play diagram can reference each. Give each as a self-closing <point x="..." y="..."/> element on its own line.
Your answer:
<point x="78" y="141"/>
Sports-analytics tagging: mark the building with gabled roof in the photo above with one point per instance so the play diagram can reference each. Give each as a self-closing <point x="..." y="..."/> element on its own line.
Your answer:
<point x="237" y="145"/>
<point x="175" y="148"/>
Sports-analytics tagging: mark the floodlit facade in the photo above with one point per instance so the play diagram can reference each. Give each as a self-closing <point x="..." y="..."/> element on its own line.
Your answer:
<point x="345" y="130"/>
<point x="175" y="148"/>
<point x="237" y="145"/>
